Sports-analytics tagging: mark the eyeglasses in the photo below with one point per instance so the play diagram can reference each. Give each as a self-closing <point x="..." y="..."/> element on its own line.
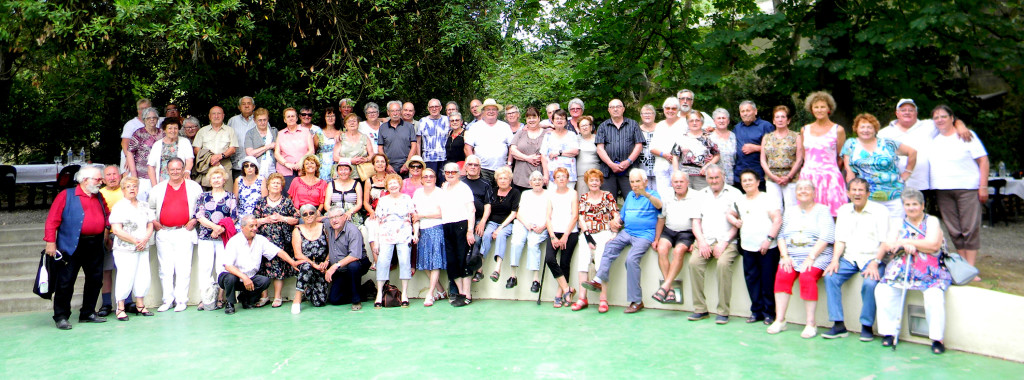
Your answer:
<point x="670" y="108"/>
<point x="616" y="107"/>
<point x="304" y="114"/>
<point x="152" y="118"/>
<point x="686" y="98"/>
<point x="575" y="109"/>
<point x="447" y="172"/>
<point x="454" y="120"/>
<point x="192" y="127"/>
<point x="473" y="165"/>
<point x="415" y="166"/>
<point x="170" y="109"/>
<point x="248" y="165"/>
<point x="311" y="213"/>
<point x="429" y="176"/>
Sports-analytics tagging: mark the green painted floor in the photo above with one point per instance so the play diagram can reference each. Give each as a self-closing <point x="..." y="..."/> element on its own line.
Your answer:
<point x="492" y="339"/>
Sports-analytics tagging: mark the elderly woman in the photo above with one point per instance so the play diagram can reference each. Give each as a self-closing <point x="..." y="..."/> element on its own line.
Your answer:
<point x="647" y="128"/>
<point x="395" y="231"/>
<point x="275" y="214"/>
<point x="525" y="150"/>
<point x="261" y="141"/>
<point x="294" y="143"/>
<point x="597" y="209"/>
<point x="726" y="142"/>
<point x="693" y="151"/>
<point x="371" y="126"/>
<point x="512" y="117"/>
<point x="215" y="211"/>
<point x="562" y="216"/>
<point x="309" y="188"/>
<point x="782" y="154"/>
<point x="189" y="128"/>
<point x="415" y="167"/>
<point x="163" y="150"/>
<point x="920" y="241"/>
<point x="250" y="186"/>
<point x="529" y="230"/>
<point x="430" y="251"/>
<point x="458" y="214"/>
<point x="139" y="147"/>
<point x="310" y="246"/>
<point x="345" y="192"/>
<point x="960" y="177"/>
<point x="805" y="250"/>
<point x="354" y="148"/>
<point x="587" y="159"/>
<point x="760" y="221"/>
<point x="822" y="140"/>
<point x="875" y="159"/>
<point x="665" y="134"/>
<point x="456" y="142"/>
<point x="131" y="222"/>
<point x="326" y="142"/>
<point x="373" y="188"/>
<point x="560" y="148"/>
<point x="504" y="204"/>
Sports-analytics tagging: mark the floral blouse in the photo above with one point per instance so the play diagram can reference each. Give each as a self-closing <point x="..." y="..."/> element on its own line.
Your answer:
<point x="780" y="152"/>
<point x="698" y="152"/>
<point x="879" y="168"/>
<point x="215" y="210"/>
<point x="394" y="216"/>
<point x="595" y="217"/>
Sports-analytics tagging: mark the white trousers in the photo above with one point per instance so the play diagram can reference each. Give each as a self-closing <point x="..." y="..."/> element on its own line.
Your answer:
<point x="207" y="252"/>
<point x="174" y="253"/>
<point x="784" y="196"/>
<point x="132" y="273"/>
<point x="584" y="255"/>
<point x="890" y="310"/>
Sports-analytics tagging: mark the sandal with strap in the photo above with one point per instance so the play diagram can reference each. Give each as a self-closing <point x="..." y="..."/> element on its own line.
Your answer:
<point x="671" y="297"/>
<point x="558" y="302"/>
<point x="495" y="276"/>
<point x="144" y="311"/>
<point x="580" y="304"/>
<point x="121" y="315"/>
<point x="661" y="295"/>
<point x="277" y="303"/>
<point x="602" y="307"/>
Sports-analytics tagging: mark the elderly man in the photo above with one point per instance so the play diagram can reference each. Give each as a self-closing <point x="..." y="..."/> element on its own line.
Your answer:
<point x="239" y="262"/>
<point x="679" y="212"/>
<point x="549" y="111"/>
<point x="173" y="202"/>
<point x="220" y="140"/>
<point x="619" y="143"/>
<point x="482" y="190"/>
<point x="432" y="134"/>
<point x="451" y="107"/>
<point x="397" y="139"/>
<point x="474" y="109"/>
<point x="862" y="227"/>
<point x="130" y="127"/>
<point x="111" y="192"/>
<point x="242" y="124"/>
<point x="489" y="140"/>
<point x="575" y="113"/>
<point x="716" y="239"/>
<point x="749" y="132"/>
<point x="171" y="110"/>
<point x="74" y="233"/>
<point x="348" y="261"/>
<point x="189" y="128"/>
<point x="918" y="134"/>
<point x="345" y="106"/>
<point x="639" y="220"/>
<point x="685" y="97"/>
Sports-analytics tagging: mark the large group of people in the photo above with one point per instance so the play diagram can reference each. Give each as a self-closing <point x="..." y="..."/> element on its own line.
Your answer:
<point x="444" y="192"/>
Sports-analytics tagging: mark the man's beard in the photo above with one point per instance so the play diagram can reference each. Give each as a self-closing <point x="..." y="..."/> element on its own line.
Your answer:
<point x="92" y="189"/>
<point x="684" y="109"/>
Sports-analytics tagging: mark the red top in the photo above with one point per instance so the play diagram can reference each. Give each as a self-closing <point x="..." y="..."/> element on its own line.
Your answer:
<point x="174" y="211"/>
<point x="302" y="193"/>
<point x="93" y="224"/>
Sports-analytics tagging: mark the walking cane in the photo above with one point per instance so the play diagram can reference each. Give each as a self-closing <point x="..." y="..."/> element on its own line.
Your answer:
<point x="540" y="291"/>
<point x="903" y="298"/>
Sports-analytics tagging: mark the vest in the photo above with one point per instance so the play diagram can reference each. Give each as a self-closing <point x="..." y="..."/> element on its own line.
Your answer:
<point x="71" y="221"/>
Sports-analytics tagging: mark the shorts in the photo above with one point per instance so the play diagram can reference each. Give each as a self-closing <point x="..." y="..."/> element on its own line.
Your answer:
<point x="678" y="237"/>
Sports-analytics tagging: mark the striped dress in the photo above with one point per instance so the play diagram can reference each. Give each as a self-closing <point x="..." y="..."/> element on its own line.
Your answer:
<point x="802" y="229"/>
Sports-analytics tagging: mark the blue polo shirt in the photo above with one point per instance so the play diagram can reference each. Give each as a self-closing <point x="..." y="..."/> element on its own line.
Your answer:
<point x="639" y="215"/>
<point x="750" y="134"/>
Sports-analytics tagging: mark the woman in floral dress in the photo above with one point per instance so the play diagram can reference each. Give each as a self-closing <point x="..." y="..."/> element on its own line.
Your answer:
<point x="275" y="214"/>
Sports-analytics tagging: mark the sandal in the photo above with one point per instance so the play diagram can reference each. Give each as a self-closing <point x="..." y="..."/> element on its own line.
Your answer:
<point x="277" y="303"/>
<point x="602" y="307"/>
<point x="405" y="304"/>
<point x="558" y="302"/>
<point x="580" y="304"/>
<point x="122" y="316"/>
<point x="262" y="302"/>
<point x="428" y="302"/>
<point x="219" y="305"/>
<point x="660" y="295"/>
<point x="671" y="297"/>
<point x="495" y="276"/>
<point x="144" y="311"/>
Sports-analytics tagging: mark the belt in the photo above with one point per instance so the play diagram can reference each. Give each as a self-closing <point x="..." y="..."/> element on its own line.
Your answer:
<point x="801" y="244"/>
<point x="172" y="228"/>
<point x="97" y="236"/>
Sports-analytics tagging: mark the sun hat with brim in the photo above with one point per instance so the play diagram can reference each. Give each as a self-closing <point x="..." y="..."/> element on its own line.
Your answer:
<point x="490" y="103"/>
<point x="415" y="158"/>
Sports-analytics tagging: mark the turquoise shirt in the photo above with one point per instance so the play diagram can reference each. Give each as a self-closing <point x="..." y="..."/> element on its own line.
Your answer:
<point x="639" y="215"/>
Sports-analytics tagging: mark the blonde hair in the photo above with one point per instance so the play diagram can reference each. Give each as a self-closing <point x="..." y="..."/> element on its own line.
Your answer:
<point x="820" y="96"/>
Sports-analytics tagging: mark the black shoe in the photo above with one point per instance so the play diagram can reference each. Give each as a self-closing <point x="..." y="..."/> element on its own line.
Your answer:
<point x="460" y="301"/>
<point x="866" y="334"/>
<point x="229" y="309"/>
<point x="63" y="324"/>
<point x="92" y="318"/>
<point x="837" y="331"/>
<point x="512" y="282"/>
<point x="754" y="319"/>
<point x="535" y="287"/>
<point x="888" y="341"/>
<point x="768" y="320"/>
<point x="478" y="276"/>
<point x="246" y="305"/>
<point x="104" y="310"/>
<point x="131" y="309"/>
<point x="937" y="347"/>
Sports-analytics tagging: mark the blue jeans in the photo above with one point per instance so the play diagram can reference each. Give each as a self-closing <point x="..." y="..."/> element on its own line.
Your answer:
<point x="384" y="261"/>
<point x="499" y="243"/>
<point x="834" y="288"/>
<point x="612" y="250"/>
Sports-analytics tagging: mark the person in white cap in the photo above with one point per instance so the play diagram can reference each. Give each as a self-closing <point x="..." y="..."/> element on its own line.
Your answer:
<point x="489" y="140"/>
<point x="918" y="134"/>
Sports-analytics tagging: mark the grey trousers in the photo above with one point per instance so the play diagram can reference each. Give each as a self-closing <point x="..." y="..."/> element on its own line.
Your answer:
<point x="612" y="250"/>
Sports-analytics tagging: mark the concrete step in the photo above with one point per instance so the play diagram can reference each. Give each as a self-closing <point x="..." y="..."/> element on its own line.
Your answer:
<point x="21" y="233"/>
<point x="21" y="249"/>
<point x="17" y="284"/>
<point x="19" y="266"/>
<point x="27" y="302"/>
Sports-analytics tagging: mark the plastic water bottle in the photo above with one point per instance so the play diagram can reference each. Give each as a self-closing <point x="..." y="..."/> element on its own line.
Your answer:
<point x="1002" y="169"/>
<point x="81" y="155"/>
<point x="71" y="156"/>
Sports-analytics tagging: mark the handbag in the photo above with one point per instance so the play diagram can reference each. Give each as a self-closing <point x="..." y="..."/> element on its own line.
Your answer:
<point x="392" y="296"/>
<point x="46" y="277"/>
<point x="365" y="170"/>
<point x="958" y="267"/>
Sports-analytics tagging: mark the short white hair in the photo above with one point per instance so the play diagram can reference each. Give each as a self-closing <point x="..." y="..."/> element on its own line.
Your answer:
<point x="87" y="171"/>
<point x="246" y="97"/>
<point x="577" y="101"/>
<point x="670" y="101"/>
<point x="720" y="111"/>
<point x="638" y="173"/>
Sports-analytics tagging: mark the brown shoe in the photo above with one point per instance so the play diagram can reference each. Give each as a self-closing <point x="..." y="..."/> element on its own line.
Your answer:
<point x="634" y="307"/>
<point x="357" y="306"/>
<point x="592" y="285"/>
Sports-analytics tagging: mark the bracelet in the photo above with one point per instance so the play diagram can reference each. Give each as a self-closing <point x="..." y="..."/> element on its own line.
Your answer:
<point x="909" y="171"/>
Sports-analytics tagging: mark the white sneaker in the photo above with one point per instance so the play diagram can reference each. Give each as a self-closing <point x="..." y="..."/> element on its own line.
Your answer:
<point x="296" y="308"/>
<point x="164" y="307"/>
<point x="181" y="306"/>
<point x="777" y="327"/>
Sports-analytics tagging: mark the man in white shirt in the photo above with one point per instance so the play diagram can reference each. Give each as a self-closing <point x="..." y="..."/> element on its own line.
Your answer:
<point x="239" y="262"/>
<point x="716" y="239"/>
<point x="861" y="227"/>
<point x="241" y="123"/>
<point x="489" y="140"/>
<point x="918" y="134"/>
<point x="679" y="212"/>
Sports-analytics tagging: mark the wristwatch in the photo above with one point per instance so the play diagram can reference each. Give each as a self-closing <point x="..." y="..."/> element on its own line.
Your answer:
<point x="771" y="238"/>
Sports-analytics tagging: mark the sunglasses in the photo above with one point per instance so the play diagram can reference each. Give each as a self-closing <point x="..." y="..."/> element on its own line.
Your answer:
<point x="415" y="166"/>
<point x="248" y="165"/>
<point x="454" y="120"/>
<point x="450" y="172"/>
<point x="311" y="213"/>
<point x="306" y="114"/>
